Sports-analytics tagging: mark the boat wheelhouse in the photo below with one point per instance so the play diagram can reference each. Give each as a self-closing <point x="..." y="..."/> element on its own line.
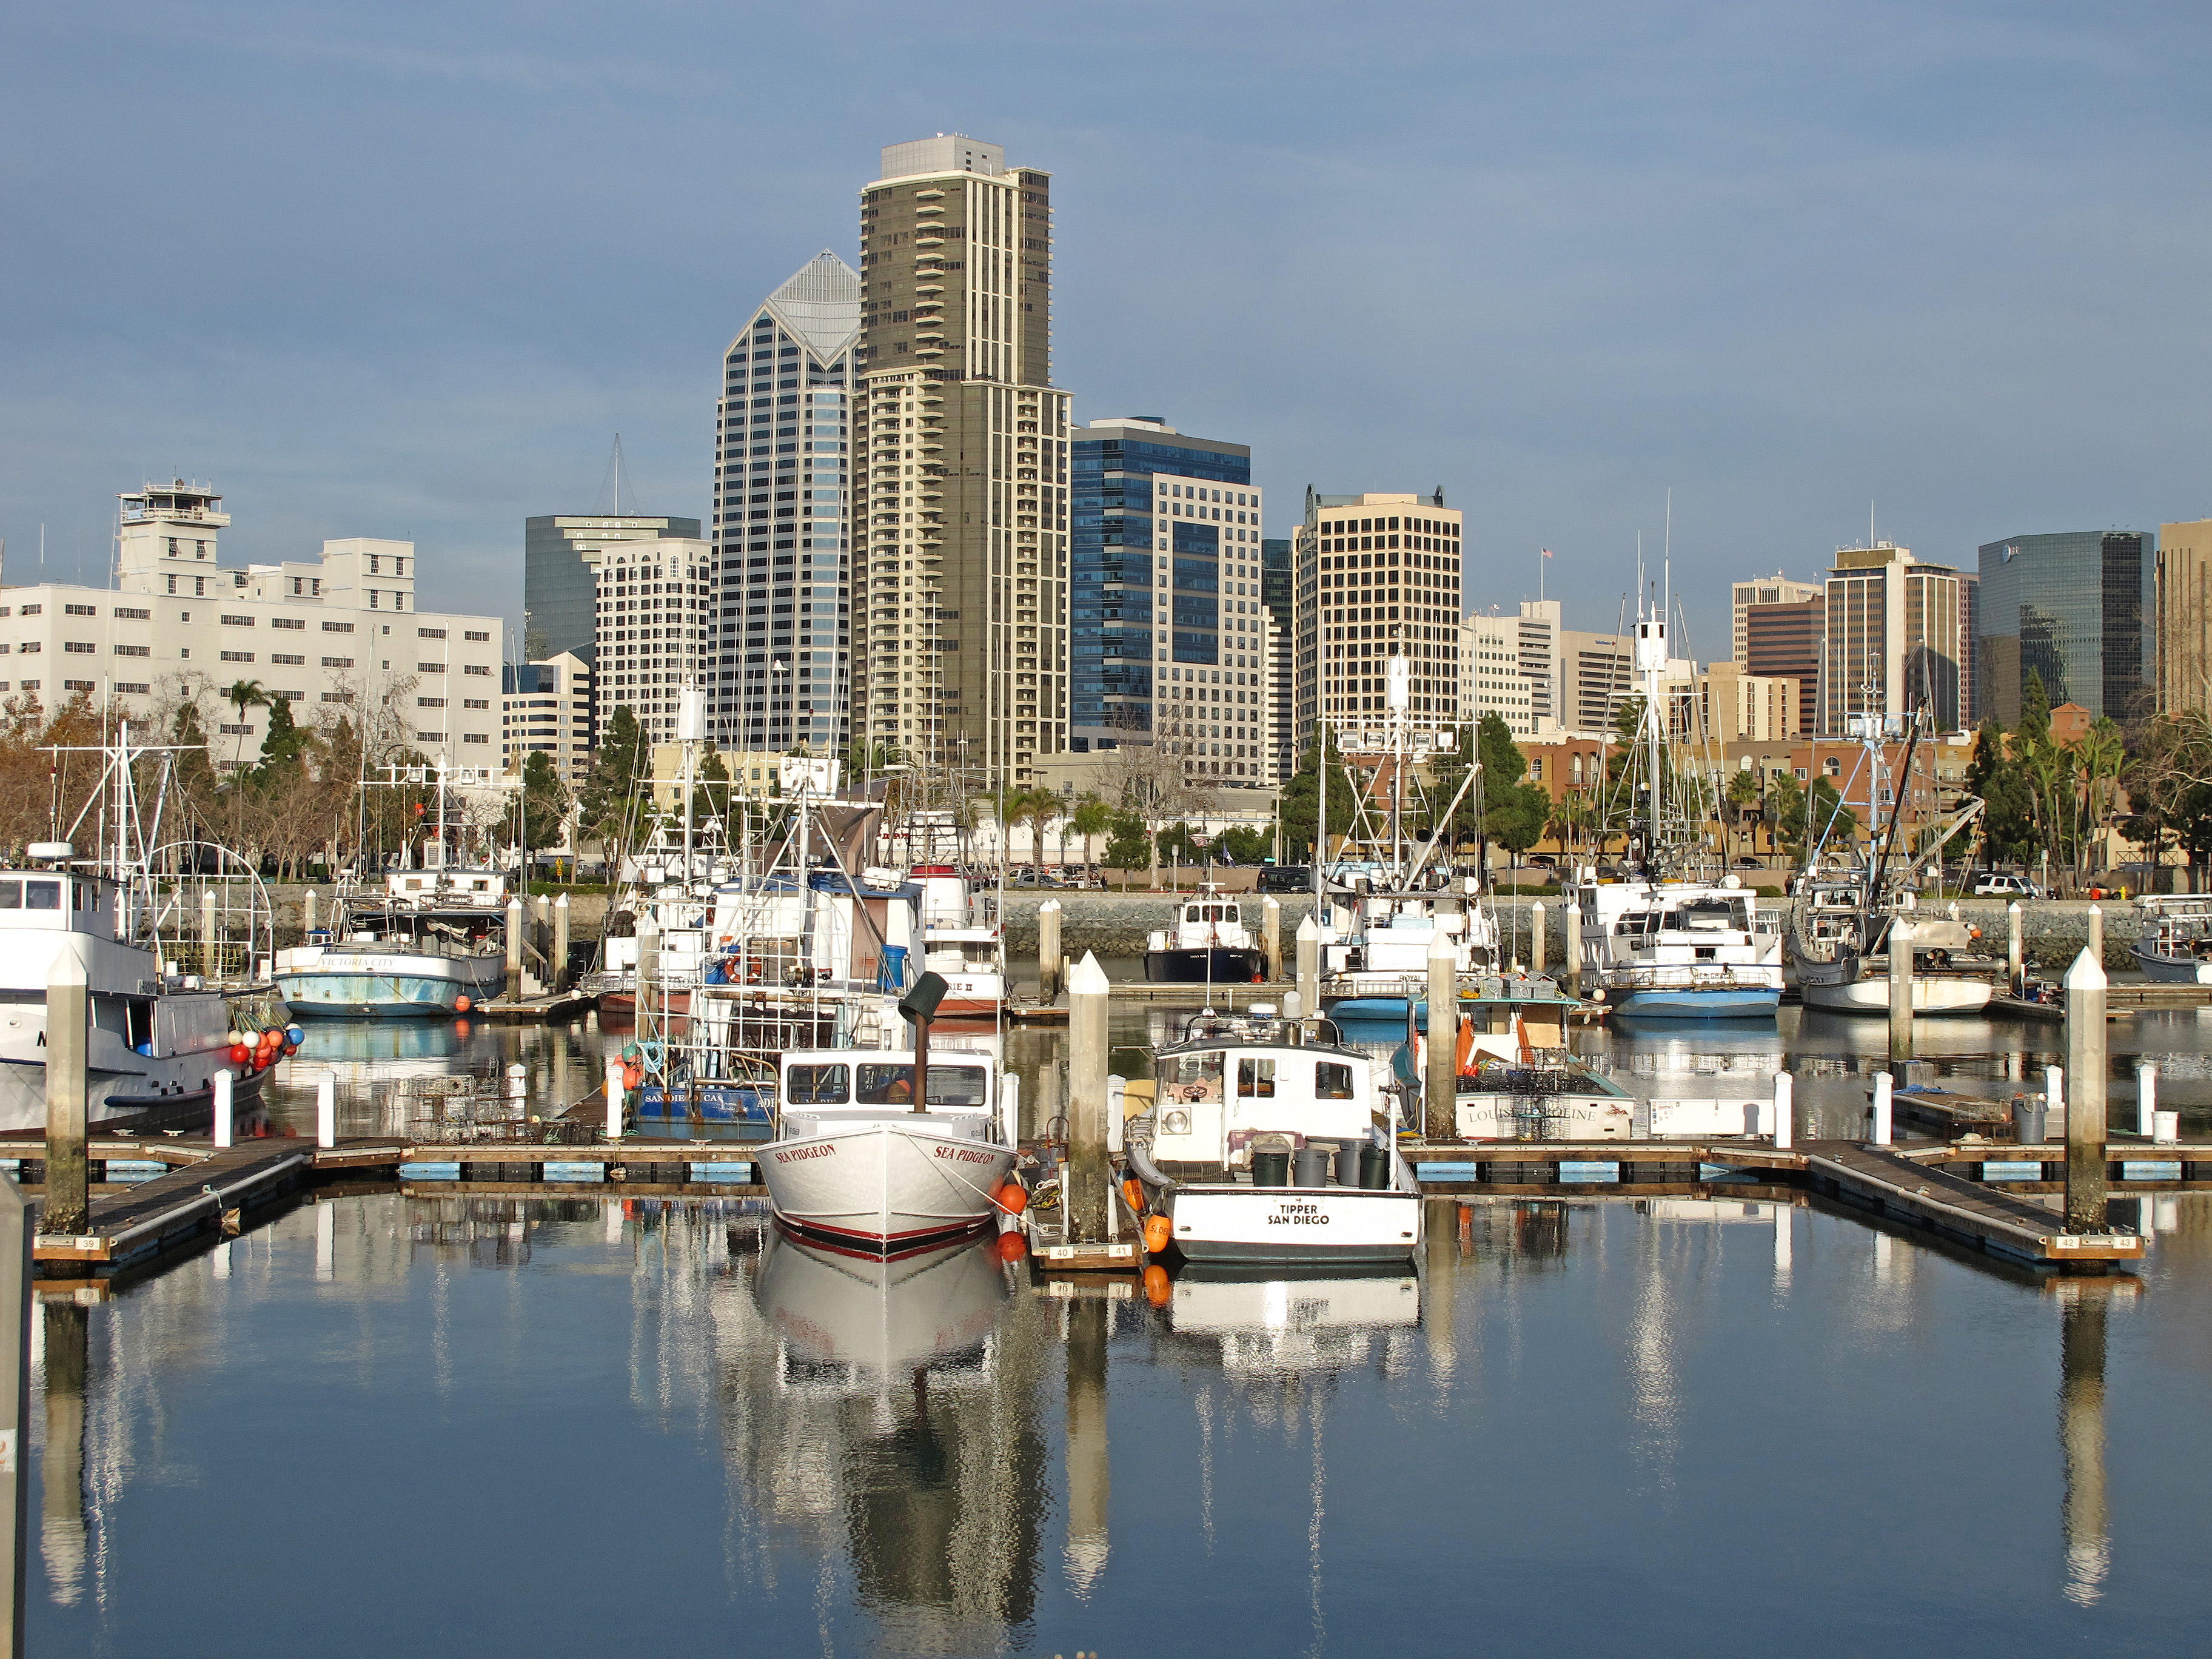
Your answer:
<point x="1261" y="1146"/>
<point x="1206" y="941"/>
<point x="2175" y="945"/>
<point x="1676" y="949"/>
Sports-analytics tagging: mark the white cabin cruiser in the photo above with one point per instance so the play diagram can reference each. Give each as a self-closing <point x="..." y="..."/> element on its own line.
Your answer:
<point x="1375" y="948"/>
<point x="2175" y="945"/>
<point x="1205" y="941"/>
<point x="963" y="940"/>
<point x="1676" y="949"/>
<point x="858" y="1165"/>
<point x="1262" y="1147"/>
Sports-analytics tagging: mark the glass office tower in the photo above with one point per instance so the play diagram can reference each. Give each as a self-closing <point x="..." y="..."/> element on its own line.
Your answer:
<point x="2076" y="607"/>
<point x="1168" y="621"/>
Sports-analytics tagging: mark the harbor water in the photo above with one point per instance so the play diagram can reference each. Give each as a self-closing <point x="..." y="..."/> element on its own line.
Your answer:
<point x="412" y="1422"/>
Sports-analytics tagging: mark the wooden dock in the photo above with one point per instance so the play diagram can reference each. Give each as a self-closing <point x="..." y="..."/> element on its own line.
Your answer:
<point x="2121" y="1000"/>
<point x="550" y="1008"/>
<point x="209" y="1193"/>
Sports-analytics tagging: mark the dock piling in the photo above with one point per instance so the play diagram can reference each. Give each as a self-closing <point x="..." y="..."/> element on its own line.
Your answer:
<point x="1308" y="944"/>
<point x="222" y="1085"/>
<point x="615" y="1097"/>
<point x="1271" y="936"/>
<point x="1536" y="940"/>
<point x="1440" y="1121"/>
<point x="2146" y="1098"/>
<point x="514" y="949"/>
<point x="2016" y="958"/>
<point x="1050" y="964"/>
<point x="2087" y="1059"/>
<point x="1088" y="991"/>
<point x="307" y="911"/>
<point x="1785" y="1089"/>
<point x="68" y="1002"/>
<point x="16" y="1253"/>
<point x="2096" y="934"/>
<point x="327" y="1109"/>
<point x="1900" y="995"/>
<point x="210" y="963"/>
<point x="560" y="943"/>
<point x="1884" y="1103"/>
<point x="541" y="927"/>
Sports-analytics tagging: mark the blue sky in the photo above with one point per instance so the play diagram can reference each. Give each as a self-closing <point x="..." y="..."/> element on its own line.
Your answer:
<point x="404" y="269"/>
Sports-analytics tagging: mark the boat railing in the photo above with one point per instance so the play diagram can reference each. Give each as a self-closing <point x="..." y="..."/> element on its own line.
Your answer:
<point x="1663" y="976"/>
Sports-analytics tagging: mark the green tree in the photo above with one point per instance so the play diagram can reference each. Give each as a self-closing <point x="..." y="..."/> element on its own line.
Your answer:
<point x="242" y="695"/>
<point x="1245" y="846"/>
<point x="710" y="795"/>
<point x="1740" y="795"/>
<point x="1514" y="813"/>
<point x="1091" y="818"/>
<point x="618" y="776"/>
<point x="1301" y="804"/>
<point x="544" y="800"/>
<point x="1129" y="844"/>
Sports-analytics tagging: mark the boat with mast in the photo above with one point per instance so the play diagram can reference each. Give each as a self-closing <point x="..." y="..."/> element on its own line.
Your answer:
<point x="173" y="940"/>
<point x="1663" y="943"/>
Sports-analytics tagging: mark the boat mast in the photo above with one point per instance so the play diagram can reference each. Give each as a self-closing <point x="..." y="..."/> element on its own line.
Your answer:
<point x="1652" y="668"/>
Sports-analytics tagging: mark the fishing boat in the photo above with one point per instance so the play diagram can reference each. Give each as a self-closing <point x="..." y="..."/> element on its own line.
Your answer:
<point x="1205" y="941"/>
<point x="173" y="942"/>
<point x="1676" y="949"/>
<point x="963" y="940"/>
<point x="2175" y="945"/>
<point x="1261" y="1146"/>
<point x="430" y="944"/>
<point x="859" y="1164"/>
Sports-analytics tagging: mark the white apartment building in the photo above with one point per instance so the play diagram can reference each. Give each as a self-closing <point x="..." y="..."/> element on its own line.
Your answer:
<point x="343" y="629"/>
<point x="1491" y="681"/>
<point x="547" y="708"/>
<point x="1539" y="628"/>
<point x="654" y="607"/>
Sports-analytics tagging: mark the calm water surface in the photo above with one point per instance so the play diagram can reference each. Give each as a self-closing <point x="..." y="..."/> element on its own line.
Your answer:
<point x="428" y="1425"/>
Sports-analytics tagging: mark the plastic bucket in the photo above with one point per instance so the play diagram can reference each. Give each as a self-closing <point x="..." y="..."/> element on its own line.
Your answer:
<point x="1271" y="1169"/>
<point x="1374" y="1168"/>
<point x="1347" y="1163"/>
<point x="1313" y="1162"/>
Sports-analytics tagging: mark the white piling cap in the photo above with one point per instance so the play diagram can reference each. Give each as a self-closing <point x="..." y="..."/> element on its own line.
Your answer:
<point x="2086" y="973"/>
<point x="1089" y="979"/>
<point x="561" y="902"/>
<point x="1441" y="948"/>
<point x="67" y="970"/>
<point x="1308" y="928"/>
<point x="1049" y="904"/>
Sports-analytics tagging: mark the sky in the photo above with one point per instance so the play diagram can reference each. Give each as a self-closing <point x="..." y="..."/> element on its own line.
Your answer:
<point x="405" y="270"/>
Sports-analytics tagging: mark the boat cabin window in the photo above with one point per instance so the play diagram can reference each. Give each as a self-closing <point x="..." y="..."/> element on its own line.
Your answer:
<point x="1209" y="913"/>
<point x="949" y="1086"/>
<point x="1710" y="916"/>
<point x="818" y="1085"/>
<point x="1331" y="1080"/>
<point x="34" y="895"/>
<point x="1193" y="1077"/>
<point x="1255" y="1078"/>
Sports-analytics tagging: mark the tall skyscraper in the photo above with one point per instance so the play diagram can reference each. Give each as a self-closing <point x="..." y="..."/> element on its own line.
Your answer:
<point x="1164" y="578"/>
<point x="2077" y="608"/>
<point x="960" y="510"/>
<point x="560" y="580"/>
<point x="1279" y="593"/>
<point x="1894" y="639"/>
<point x="655" y="604"/>
<point x="1776" y="589"/>
<point x="1378" y="576"/>
<point x="782" y="494"/>
<point x="2184" y="616"/>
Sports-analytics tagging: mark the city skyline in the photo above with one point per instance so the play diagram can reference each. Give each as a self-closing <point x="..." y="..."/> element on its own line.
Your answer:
<point x="1596" y="349"/>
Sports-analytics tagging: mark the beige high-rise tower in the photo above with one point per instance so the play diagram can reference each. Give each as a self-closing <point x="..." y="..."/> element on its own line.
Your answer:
<point x="959" y="518"/>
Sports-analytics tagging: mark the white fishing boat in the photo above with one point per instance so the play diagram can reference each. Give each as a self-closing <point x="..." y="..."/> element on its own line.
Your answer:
<point x="963" y="941"/>
<point x="1259" y="1146"/>
<point x="432" y="943"/>
<point x="1675" y="949"/>
<point x="2175" y="945"/>
<point x="1205" y="941"/>
<point x="175" y="960"/>
<point x="858" y="1163"/>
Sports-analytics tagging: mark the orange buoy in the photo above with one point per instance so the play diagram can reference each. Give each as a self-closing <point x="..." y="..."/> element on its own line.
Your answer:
<point x="633" y="1076"/>
<point x="1157" y="1290"/>
<point x="1013" y="1198"/>
<point x="1011" y="1247"/>
<point x="462" y="1005"/>
<point x="1159" y="1229"/>
<point x="1133" y="1191"/>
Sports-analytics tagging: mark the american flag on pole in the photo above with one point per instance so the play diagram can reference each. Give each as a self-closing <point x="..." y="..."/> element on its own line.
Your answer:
<point x="1546" y="551"/>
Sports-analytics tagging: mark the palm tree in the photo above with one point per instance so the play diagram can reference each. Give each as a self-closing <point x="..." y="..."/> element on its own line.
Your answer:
<point x="244" y="695"/>
<point x="1091" y="818"/>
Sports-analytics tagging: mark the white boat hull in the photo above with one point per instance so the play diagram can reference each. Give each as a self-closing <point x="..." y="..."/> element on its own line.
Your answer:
<point x="1931" y="996"/>
<point x="887" y="1188"/>
<point x="1290" y="1225"/>
<point x="328" y="982"/>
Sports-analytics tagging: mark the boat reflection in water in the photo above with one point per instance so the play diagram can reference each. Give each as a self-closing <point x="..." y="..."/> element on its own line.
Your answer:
<point x="896" y="1403"/>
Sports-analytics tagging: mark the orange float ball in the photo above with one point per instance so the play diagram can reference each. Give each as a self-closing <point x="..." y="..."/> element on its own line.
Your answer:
<point x="1011" y="1247"/>
<point x="1159" y="1229"/>
<point x="462" y="1005"/>
<point x="1013" y="1198"/>
<point x="1133" y="1191"/>
<point x="1156" y="1287"/>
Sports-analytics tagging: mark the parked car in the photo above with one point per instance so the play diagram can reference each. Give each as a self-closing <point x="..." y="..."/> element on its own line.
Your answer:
<point x="1995" y="883"/>
<point x="1749" y="863"/>
<point x="1541" y="861"/>
<point x="1286" y="878"/>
